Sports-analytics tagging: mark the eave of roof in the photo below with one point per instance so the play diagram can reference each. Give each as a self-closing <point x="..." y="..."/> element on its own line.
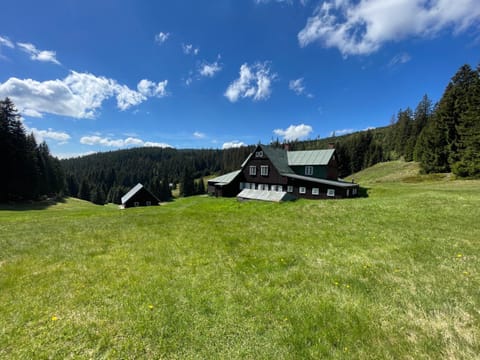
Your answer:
<point x="131" y="192"/>
<point x="338" y="183"/>
<point x="225" y="178"/>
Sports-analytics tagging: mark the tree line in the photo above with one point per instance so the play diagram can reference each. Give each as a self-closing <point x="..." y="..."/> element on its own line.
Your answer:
<point x="29" y="171"/>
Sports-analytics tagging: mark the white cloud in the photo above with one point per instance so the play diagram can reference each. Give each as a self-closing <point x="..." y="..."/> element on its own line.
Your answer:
<point x="233" y="144"/>
<point x="130" y="141"/>
<point x="39" y="55"/>
<point x="298" y="87"/>
<point x="289" y="2"/>
<point x="199" y="135"/>
<point x="72" y="155"/>
<point x="190" y="49"/>
<point x="342" y="132"/>
<point x="149" y="88"/>
<point x="294" y="132"/>
<point x="79" y="95"/>
<point x="161" y="37"/>
<point x="41" y="135"/>
<point x="254" y="82"/>
<point x="362" y="27"/>
<point x="209" y="70"/>
<point x="4" y="41"/>
<point x="399" y="59"/>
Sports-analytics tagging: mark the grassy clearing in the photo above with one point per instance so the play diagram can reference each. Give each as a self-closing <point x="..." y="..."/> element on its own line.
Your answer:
<point x="394" y="275"/>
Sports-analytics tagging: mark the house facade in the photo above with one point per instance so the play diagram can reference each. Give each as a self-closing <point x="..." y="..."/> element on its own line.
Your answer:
<point x="138" y="196"/>
<point x="303" y="174"/>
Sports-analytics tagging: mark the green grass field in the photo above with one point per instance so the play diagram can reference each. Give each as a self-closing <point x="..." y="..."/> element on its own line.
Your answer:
<point x="395" y="275"/>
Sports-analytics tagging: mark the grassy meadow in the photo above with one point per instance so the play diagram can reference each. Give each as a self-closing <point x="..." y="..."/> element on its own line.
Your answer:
<point x="395" y="275"/>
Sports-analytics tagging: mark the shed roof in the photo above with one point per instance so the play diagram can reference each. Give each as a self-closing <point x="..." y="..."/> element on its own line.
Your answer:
<point x="225" y="178"/>
<point x="310" y="157"/>
<point x="265" y="195"/>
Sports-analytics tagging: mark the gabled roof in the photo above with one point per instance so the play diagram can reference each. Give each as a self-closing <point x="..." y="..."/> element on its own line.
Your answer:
<point x="310" y="157"/>
<point x="225" y="178"/>
<point x="133" y="191"/>
<point x="282" y="159"/>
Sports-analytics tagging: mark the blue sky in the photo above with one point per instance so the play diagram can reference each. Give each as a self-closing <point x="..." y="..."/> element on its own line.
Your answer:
<point x="93" y="76"/>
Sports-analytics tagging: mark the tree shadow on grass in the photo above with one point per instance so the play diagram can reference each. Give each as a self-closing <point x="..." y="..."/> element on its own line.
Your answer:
<point x="31" y="205"/>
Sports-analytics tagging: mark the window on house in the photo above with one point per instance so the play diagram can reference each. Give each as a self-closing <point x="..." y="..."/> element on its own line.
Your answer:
<point x="136" y="203"/>
<point x="315" y="191"/>
<point x="279" y="188"/>
<point x="331" y="192"/>
<point x="302" y="190"/>
<point x="148" y="203"/>
<point x="264" y="170"/>
<point x="259" y="154"/>
<point x="260" y="186"/>
<point x="309" y="170"/>
<point x="253" y="170"/>
<point x="348" y="192"/>
<point x="354" y="191"/>
<point x="273" y="187"/>
<point x="289" y="188"/>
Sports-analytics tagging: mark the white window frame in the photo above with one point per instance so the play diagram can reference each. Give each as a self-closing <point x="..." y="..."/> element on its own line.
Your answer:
<point x="148" y="203"/>
<point x="302" y="190"/>
<point x="264" y="170"/>
<point x="252" y="170"/>
<point x="315" y="191"/>
<point x="331" y="192"/>
<point x="289" y="188"/>
<point x="309" y="170"/>
<point x="136" y="203"/>
<point x="348" y="192"/>
<point x="259" y="154"/>
<point x="273" y="187"/>
<point x="279" y="188"/>
<point x="260" y="186"/>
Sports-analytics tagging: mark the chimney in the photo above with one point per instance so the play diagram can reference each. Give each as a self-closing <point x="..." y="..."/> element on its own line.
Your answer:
<point x="286" y="146"/>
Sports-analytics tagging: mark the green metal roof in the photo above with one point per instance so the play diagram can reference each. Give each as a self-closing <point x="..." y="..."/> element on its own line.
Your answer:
<point x="279" y="159"/>
<point x="309" y="157"/>
<point x="225" y="178"/>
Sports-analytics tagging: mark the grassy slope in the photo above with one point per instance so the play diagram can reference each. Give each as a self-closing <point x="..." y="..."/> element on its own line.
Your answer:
<point x="394" y="275"/>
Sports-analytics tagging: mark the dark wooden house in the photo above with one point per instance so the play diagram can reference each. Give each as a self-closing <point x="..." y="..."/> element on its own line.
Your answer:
<point x="138" y="196"/>
<point x="309" y="174"/>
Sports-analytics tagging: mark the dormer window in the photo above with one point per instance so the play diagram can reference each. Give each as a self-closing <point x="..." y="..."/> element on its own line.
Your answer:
<point x="259" y="154"/>
<point x="309" y="170"/>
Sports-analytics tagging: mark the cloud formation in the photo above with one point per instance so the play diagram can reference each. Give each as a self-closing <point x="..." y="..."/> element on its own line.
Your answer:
<point x="254" y="81"/>
<point x="298" y="87"/>
<point x="199" y="135"/>
<point x="209" y="70"/>
<point x="362" y="27"/>
<point x="4" y="41"/>
<point x="39" y="55"/>
<point x="161" y="37"/>
<point x="190" y="49"/>
<point x="233" y="144"/>
<point x="79" y="95"/>
<point x="118" y="143"/>
<point x="294" y="132"/>
<point x="41" y="135"/>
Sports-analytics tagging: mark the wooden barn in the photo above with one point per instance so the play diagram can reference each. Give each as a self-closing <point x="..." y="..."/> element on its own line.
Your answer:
<point x="309" y="174"/>
<point x="138" y="196"/>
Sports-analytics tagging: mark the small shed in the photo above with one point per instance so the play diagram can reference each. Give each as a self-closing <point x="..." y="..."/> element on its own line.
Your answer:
<point x="138" y="196"/>
<point x="226" y="185"/>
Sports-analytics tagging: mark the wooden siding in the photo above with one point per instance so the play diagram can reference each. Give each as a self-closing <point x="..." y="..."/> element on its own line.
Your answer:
<point x="141" y="196"/>
<point x="273" y="177"/>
